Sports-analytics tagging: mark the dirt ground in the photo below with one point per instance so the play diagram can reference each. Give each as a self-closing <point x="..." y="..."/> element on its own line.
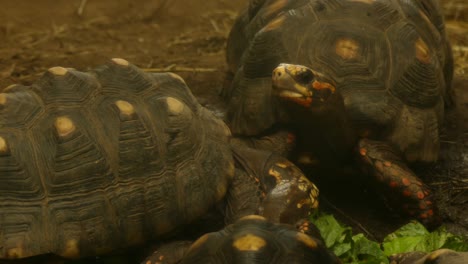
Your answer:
<point x="188" y="37"/>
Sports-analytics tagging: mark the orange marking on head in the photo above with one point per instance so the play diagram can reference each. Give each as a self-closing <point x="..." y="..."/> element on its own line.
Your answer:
<point x="323" y="85"/>
<point x="430" y="212"/>
<point x="387" y="163"/>
<point x="276" y="174"/>
<point x="393" y="184"/>
<point x="347" y="48"/>
<point x="406" y="193"/>
<point x="405" y="181"/>
<point x="420" y="195"/>
<point x="363" y="151"/>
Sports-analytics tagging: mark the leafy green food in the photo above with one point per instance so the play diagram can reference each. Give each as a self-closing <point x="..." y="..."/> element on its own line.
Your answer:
<point x="358" y="249"/>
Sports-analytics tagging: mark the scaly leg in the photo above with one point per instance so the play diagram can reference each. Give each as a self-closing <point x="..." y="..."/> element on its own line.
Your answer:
<point x="399" y="185"/>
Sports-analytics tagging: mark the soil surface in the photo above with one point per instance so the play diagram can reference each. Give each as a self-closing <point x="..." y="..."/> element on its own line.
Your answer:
<point x="188" y="37"/>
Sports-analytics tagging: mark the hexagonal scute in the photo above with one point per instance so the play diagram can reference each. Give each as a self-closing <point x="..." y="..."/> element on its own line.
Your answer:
<point x="60" y="84"/>
<point x="17" y="109"/>
<point x="120" y="75"/>
<point x="253" y="239"/>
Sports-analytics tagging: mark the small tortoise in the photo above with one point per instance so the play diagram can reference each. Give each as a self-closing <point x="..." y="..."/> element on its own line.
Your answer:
<point x="377" y="78"/>
<point x="254" y="240"/>
<point x="440" y="256"/>
<point x="98" y="161"/>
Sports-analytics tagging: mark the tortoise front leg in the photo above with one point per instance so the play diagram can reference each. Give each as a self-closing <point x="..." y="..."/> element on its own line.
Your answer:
<point x="398" y="183"/>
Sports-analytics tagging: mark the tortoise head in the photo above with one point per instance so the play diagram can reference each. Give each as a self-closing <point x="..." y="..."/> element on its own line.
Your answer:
<point x="301" y="85"/>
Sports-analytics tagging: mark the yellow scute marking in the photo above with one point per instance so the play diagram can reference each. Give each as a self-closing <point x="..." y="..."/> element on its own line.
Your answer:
<point x="307" y="240"/>
<point x="120" y="61"/>
<point x="347" y="48"/>
<point x="3" y="145"/>
<point x="3" y="98"/>
<point x="252" y="217"/>
<point x="249" y="242"/>
<point x="422" y="51"/>
<point x="15" y="252"/>
<point x="275" y="23"/>
<point x="175" y="106"/>
<point x="199" y="242"/>
<point x="125" y="107"/>
<point x="176" y="76"/>
<point x="64" y="126"/>
<point x="71" y="249"/>
<point x="58" y="70"/>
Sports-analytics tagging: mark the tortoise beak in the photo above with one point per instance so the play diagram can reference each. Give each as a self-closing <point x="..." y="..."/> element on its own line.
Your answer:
<point x="300" y="84"/>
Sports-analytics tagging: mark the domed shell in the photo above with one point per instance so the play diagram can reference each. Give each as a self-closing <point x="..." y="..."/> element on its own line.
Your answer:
<point x="92" y="162"/>
<point x="391" y="62"/>
<point x="252" y="239"/>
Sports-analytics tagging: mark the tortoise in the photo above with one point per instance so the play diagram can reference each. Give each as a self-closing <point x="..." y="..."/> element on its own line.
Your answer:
<point x="92" y="162"/>
<point x="251" y="239"/>
<point x="364" y="80"/>
<point x="440" y="256"/>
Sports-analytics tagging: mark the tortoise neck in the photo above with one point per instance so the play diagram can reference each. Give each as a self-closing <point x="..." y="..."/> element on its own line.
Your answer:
<point x="326" y="132"/>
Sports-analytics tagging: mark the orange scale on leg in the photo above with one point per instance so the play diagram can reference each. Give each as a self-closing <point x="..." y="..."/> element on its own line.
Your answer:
<point x="405" y="181"/>
<point x="363" y="151"/>
<point x="420" y="195"/>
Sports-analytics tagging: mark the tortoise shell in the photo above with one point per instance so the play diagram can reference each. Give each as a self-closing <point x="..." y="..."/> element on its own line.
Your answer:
<point x="252" y="239"/>
<point x="440" y="256"/>
<point x="92" y="162"/>
<point x="390" y="60"/>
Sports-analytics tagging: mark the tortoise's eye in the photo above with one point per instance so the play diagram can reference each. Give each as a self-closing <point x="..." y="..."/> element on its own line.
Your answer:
<point x="305" y="76"/>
